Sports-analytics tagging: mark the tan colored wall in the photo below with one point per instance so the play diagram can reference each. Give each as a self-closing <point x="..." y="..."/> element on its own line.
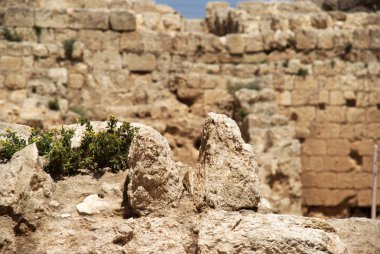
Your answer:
<point x="151" y="65"/>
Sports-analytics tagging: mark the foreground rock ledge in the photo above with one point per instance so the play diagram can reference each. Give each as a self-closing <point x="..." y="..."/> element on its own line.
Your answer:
<point x="85" y="215"/>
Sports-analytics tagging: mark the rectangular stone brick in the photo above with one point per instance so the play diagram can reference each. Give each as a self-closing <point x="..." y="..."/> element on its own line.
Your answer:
<point x="313" y="163"/>
<point x="314" y="147"/>
<point x="365" y="198"/>
<point x="347" y="131"/>
<point x="336" y="98"/>
<point x="338" y="147"/>
<point x="235" y="44"/>
<point x="325" y="130"/>
<point x="140" y="63"/>
<point x="132" y="42"/>
<point x="319" y="180"/>
<point x="122" y="20"/>
<point x="326" y="197"/>
<point x="356" y="115"/>
<point x="326" y="39"/>
<point x="10" y="63"/>
<point x="364" y="146"/>
<point x="339" y="163"/>
<point x="361" y="39"/>
<point x="309" y="82"/>
<point x="373" y="115"/>
<point x="332" y="115"/>
<point x="373" y="130"/>
<point x="52" y="18"/>
<point x="254" y="43"/>
<point x="305" y="97"/>
<point x="306" y="39"/>
<point x="19" y="17"/>
<point x="88" y="19"/>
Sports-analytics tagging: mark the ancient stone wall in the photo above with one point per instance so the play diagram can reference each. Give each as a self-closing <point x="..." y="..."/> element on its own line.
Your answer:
<point x="143" y="61"/>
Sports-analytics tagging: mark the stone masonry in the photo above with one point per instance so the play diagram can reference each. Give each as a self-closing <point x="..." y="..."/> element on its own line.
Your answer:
<point x="144" y="62"/>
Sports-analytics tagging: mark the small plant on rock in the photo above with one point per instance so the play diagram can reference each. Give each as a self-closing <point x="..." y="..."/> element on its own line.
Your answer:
<point x="54" y="105"/>
<point x="9" y="36"/>
<point x="302" y="72"/>
<point x="68" y="46"/>
<point x="254" y="85"/>
<point x="10" y="145"/>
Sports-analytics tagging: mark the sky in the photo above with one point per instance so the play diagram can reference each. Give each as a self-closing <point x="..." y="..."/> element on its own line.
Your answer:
<point x="193" y="8"/>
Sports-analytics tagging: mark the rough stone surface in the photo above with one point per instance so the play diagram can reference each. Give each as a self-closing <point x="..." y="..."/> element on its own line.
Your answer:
<point x="154" y="177"/>
<point x="122" y="21"/>
<point x="25" y="188"/>
<point x="227" y="173"/>
<point x="233" y="232"/>
<point x="92" y="204"/>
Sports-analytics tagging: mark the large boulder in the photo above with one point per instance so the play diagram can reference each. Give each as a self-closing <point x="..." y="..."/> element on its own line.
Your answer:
<point x="154" y="180"/>
<point x="233" y="232"/>
<point x="227" y="173"/>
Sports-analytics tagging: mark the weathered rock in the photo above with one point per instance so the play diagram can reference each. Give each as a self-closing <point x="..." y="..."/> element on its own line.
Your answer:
<point x="154" y="176"/>
<point x="122" y="21"/>
<point x="233" y="232"/>
<point x="24" y="188"/>
<point x="159" y="235"/>
<point x="227" y="174"/>
<point x="92" y="204"/>
<point x="359" y="234"/>
<point x="21" y="131"/>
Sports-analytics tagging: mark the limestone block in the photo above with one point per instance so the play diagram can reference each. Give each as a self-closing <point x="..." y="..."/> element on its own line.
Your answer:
<point x="76" y="80"/>
<point x="365" y="200"/>
<point x="58" y="75"/>
<point x="326" y="130"/>
<point x="225" y="160"/>
<point x="15" y="81"/>
<point x="306" y="39"/>
<point x="92" y="204"/>
<point x="254" y="43"/>
<point x="336" y="98"/>
<point x="172" y="22"/>
<point x="356" y="115"/>
<point x="299" y="22"/>
<point x="107" y="60"/>
<point x="321" y="21"/>
<point x="313" y="163"/>
<point x="40" y="50"/>
<point x="305" y="97"/>
<point x="132" y="42"/>
<point x="10" y="63"/>
<point x="314" y="147"/>
<point x="140" y="63"/>
<point x="338" y="147"/>
<point x="374" y="38"/>
<point x="52" y="18"/>
<point x="122" y="20"/>
<point x="332" y="114"/>
<point x="326" y="39"/>
<point x="235" y="43"/>
<point x="361" y="38"/>
<point x="88" y="19"/>
<point x="19" y="17"/>
<point x="341" y="163"/>
<point x="342" y="38"/>
<point x="325" y="197"/>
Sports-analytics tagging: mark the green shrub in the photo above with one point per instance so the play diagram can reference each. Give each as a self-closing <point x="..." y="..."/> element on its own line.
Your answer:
<point x="54" y="105"/>
<point x="10" y="145"/>
<point x="38" y="31"/>
<point x="9" y="36"/>
<point x="98" y="150"/>
<point x="255" y="85"/>
<point x="68" y="46"/>
<point x="302" y="72"/>
<point x="240" y="114"/>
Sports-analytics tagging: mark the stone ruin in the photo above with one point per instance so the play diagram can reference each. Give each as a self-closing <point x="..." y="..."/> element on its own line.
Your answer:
<point x="162" y="206"/>
<point x="313" y="123"/>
